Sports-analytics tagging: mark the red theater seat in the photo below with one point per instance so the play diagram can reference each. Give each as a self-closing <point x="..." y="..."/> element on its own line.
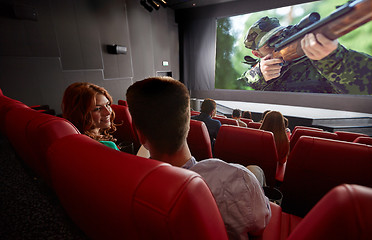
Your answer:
<point x="41" y="132"/>
<point x="309" y="132"/>
<point x="125" y="132"/>
<point x="114" y="195"/>
<point x="364" y="140"/>
<point x="31" y="132"/>
<point x="349" y="136"/>
<point x="6" y="104"/>
<point x="227" y="121"/>
<point x="248" y="146"/>
<point x="255" y="125"/>
<point x="194" y="113"/>
<point x="344" y="213"/>
<point x="199" y="141"/>
<point x="316" y="165"/>
<point x="305" y="127"/>
<point x="246" y="120"/>
<point x="122" y="103"/>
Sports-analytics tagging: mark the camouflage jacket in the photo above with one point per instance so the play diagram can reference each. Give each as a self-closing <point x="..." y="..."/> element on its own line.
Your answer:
<point x="343" y="71"/>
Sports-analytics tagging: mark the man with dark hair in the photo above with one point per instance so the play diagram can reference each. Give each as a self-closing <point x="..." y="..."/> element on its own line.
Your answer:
<point x="160" y="109"/>
<point x="236" y="114"/>
<point x="207" y="111"/>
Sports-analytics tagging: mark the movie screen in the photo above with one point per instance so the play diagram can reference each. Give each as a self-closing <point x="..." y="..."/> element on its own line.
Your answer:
<point x="346" y="70"/>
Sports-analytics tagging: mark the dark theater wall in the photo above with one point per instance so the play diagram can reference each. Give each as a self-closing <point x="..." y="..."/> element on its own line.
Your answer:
<point x="67" y="43"/>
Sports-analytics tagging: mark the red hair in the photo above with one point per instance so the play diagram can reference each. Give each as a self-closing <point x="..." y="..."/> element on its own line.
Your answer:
<point x="78" y="101"/>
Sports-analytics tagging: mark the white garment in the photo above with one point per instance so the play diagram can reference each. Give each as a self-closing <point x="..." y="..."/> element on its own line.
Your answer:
<point x="238" y="194"/>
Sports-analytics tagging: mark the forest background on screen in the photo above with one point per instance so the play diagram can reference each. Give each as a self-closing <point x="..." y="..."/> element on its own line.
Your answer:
<point x="231" y="31"/>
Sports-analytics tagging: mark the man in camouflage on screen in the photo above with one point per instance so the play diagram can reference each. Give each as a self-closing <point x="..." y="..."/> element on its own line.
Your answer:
<point x="327" y="67"/>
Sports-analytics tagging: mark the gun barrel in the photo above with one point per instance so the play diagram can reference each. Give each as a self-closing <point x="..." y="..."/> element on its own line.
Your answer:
<point x="308" y="20"/>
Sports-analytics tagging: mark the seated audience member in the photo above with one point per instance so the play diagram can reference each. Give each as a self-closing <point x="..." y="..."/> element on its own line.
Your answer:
<point x="263" y="115"/>
<point x="274" y="122"/>
<point x="287" y="130"/>
<point x="247" y="115"/>
<point x="236" y="114"/>
<point x="88" y="107"/>
<point x="207" y="111"/>
<point x="239" y="196"/>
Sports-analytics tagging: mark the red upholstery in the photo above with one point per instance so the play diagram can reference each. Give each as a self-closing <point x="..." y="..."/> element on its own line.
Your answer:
<point x="194" y="113"/>
<point x="126" y="131"/>
<point x="199" y="141"/>
<point x="316" y="165"/>
<point x="308" y="132"/>
<point x="122" y="103"/>
<point x="281" y="224"/>
<point x="6" y="104"/>
<point x="1" y="92"/>
<point x="247" y="146"/>
<point x="31" y="133"/>
<point x="228" y="121"/>
<point x="16" y="122"/>
<point x="305" y="127"/>
<point x="364" y="140"/>
<point x="349" y="136"/>
<point x="113" y="195"/>
<point x="344" y="213"/>
<point x="246" y="120"/>
<point x="40" y="107"/>
<point x="255" y="125"/>
<point x="41" y="132"/>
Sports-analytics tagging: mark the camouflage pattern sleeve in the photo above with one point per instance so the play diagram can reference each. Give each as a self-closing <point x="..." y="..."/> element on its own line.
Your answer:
<point x="349" y="70"/>
<point x="254" y="78"/>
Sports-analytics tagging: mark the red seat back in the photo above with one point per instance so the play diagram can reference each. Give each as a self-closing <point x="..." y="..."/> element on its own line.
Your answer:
<point x="122" y="103"/>
<point x="198" y="140"/>
<point x="125" y="131"/>
<point x="31" y="133"/>
<point x="255" y="125"/>
<point x="248" y="146"/>
<point x="41" y="132"/>
<point x="194" y="113"/>
<point x="114" y="195"/>
<point x="316" y="165"/>
<point x="246" y="120"/>
<point x="7" y="104"/>
<point x="16" y="122"/>
<point x="364" y="140"/>
<point x="227" y="121"/>
<point x="309" y="132"/>
<point x="349" y="136"/>
<point x="343" y="213"/>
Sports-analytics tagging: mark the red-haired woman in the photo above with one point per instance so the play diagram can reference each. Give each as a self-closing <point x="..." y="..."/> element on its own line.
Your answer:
<point x="88" y="107"/>
<point x="274" y="122"/>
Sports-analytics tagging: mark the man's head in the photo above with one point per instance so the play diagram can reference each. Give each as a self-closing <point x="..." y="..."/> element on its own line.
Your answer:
<point x="160" y="109"/>
<point x="261" y="31"/>
<point x="236" y="113"/>
<point x="208" y="106"/>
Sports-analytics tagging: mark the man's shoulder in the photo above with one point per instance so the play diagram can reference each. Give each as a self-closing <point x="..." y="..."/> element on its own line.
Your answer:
<point x="215" y="167"/>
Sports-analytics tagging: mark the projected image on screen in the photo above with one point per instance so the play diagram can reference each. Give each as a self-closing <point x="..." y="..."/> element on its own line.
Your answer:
<point x="240" y="57"/>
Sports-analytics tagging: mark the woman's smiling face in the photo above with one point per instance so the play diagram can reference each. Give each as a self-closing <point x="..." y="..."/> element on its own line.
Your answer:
<point x="101" y="113"/>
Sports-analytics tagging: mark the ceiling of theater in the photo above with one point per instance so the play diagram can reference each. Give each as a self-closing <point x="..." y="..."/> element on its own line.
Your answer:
<point x="181" y="4"/>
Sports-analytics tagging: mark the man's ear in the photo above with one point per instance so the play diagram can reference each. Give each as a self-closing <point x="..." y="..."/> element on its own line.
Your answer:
<point x="256" y="53"/>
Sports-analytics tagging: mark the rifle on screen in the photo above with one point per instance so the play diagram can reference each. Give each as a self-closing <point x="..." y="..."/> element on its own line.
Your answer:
<point x="343" y="20"/>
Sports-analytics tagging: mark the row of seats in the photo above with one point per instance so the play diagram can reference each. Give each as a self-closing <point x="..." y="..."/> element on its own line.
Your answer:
<point x="314" y="166"/>
<point x="107" y="193"/>
<point x="114" y="195"/>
